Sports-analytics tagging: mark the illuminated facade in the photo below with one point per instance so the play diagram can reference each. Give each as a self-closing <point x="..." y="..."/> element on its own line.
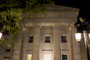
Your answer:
<point x="49" y="37"/>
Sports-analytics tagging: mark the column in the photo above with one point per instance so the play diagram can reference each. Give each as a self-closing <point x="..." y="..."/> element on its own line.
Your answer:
<point x="17" y="48"/>
<point x="36" y="43"/>
<point x="56" y="43"/>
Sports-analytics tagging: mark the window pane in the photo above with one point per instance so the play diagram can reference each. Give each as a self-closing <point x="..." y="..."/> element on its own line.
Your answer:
<point x="30" y="39"/>
<point x="47" y="39"/>
<point x="63" y="39"/>
<point x="29" y="56"/>
<point x="8" y="50"/>
<point x="64" y="57"/>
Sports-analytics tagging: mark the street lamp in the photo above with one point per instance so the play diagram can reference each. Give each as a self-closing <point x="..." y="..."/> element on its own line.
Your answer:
<point x="85" y="35"/>
<point x="0" y="35"/>
<point x="78" y="36"/>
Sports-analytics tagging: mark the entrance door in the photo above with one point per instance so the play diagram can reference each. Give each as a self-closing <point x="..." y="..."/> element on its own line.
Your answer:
<point x="47" y="56"/>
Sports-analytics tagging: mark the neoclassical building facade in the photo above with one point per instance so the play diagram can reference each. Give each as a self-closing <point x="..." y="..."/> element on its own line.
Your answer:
<point x="48" y="37"/>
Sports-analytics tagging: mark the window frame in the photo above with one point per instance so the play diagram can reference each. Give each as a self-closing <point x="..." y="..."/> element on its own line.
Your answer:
<point x="31" y="38"/>
<point x="8" y="50"/>
<point x="66" y="57"/>
<point x="47" y="40"/>
<point x="63" y="39"/>
<point x="6" y="58"/>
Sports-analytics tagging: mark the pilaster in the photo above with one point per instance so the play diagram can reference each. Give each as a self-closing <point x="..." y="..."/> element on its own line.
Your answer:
<point x="36" y="43"/>
<point x="56" y="42"/>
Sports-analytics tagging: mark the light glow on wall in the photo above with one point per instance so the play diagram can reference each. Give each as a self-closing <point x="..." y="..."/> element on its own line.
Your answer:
<point x="29" y="56"/>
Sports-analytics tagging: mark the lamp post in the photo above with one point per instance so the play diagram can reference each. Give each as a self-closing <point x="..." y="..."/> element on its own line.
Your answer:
<point x="85" y="35"/>
<point x="78" y="38"/>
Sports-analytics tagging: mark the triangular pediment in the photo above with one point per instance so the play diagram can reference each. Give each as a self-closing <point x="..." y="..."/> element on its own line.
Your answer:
<point x="62" y="8"/>
<point x="59" y="12"/>
<point x="56" y="14"/>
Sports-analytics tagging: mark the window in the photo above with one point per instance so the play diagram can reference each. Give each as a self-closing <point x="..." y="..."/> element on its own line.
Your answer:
<point x="29" y="56"/>
<point x="30" y="39"/>
<point x="63" y="39"/>
<point x="47" y="39"/>
<point x="8" y="50"/>
<point x="64" y="57"/>
<point x="6" y="58"/>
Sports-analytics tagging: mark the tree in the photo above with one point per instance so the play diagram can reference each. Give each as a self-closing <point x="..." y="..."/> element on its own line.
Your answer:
<point x="11" y="15"/>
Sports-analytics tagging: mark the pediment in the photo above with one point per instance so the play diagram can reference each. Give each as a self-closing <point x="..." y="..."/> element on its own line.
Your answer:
<point x="55" y="14"/>
<point x="62" y="8"/>
<point x="59" y="12"/>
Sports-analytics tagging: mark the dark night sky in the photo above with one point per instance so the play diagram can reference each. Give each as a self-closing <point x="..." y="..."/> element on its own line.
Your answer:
<point x="83" y="5"/>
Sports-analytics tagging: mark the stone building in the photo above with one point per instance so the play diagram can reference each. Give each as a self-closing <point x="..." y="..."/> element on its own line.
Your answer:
<point x="47" y="37"/>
